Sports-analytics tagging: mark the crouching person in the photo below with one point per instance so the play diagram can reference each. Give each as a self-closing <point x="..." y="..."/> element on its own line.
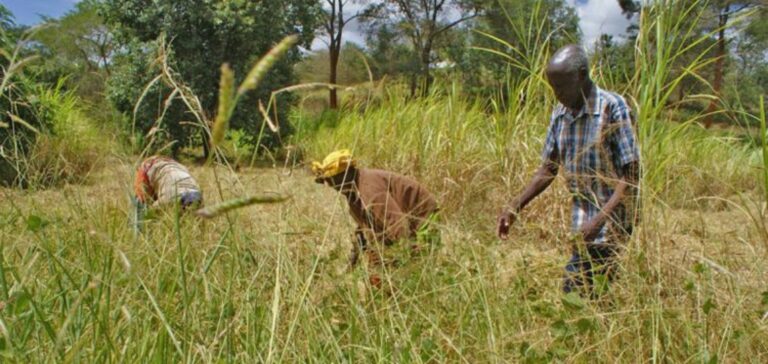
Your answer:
<point x="164" y="181"/>
<point x="387" y="207"/>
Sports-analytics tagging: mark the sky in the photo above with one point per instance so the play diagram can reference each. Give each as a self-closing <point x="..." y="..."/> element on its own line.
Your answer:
<point x="599" y="17"/>
<point x="596" y="17"/>
<point x="27" y="12"/>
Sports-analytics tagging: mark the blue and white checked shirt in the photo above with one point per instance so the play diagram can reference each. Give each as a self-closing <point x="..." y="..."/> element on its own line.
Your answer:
<point x="592" y="147"/>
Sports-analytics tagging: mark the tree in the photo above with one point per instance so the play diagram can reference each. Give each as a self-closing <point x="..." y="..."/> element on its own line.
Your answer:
<point x="424" y="22"/>
<point x="389" y="53"/>
<point x="722" y="13"/>
<point x="202" y="35"/>
<point x="334" y="22"/>
<point x="524" y="30"/>
<point x="725" y="10"/>
<point x="78" y="46"/>
<point x="527" y="24"/>
<point x="747" y="79"/>
<point x="351" y="66"/>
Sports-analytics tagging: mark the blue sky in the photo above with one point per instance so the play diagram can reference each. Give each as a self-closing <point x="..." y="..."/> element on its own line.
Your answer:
<point x="596" y="16"/>
<point x="26" y="11"/>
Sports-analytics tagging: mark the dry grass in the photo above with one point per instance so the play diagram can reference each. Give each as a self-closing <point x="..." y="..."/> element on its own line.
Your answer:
<point x="268" y="283"/>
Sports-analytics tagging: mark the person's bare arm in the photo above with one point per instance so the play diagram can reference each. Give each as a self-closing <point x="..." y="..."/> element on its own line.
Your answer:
<point x="541" y="180"/>
<point x="625" y="187"/>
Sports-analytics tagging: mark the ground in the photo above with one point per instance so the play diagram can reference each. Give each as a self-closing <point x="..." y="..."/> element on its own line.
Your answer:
<point x="270" y="282"/>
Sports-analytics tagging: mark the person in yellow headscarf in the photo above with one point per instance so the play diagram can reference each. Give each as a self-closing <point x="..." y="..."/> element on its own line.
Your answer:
<point x="386" y="206"/>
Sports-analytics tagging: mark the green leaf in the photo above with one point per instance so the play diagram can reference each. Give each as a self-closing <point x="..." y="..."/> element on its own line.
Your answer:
<point x="21" y="302"/>
<point x="713" y="360"/>
<point x="765" y="298"/>
<point x="708" y="306"/>
<point x="544" y="309"/>
<point x="585" y="325"/>
<point x="36" y="223"/>
<point x="558" y="352"/>
<point x="689" y="286"/>
<point x="572" y="301"/>
<point x="600" y="284"/>
<point x="561" y="329"/>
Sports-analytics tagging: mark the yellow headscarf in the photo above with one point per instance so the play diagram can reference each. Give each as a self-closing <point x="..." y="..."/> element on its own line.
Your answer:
<point x="333" y="164"/>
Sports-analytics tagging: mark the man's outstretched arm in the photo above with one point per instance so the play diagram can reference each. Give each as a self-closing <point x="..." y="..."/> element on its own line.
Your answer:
<point x="541" y="180"/>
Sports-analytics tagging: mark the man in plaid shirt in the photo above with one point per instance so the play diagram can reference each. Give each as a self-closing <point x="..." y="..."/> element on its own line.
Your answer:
<point x="591" y="136"/>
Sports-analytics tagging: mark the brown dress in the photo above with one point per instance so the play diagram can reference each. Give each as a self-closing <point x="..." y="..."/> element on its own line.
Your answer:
<point x="388" y="207"/>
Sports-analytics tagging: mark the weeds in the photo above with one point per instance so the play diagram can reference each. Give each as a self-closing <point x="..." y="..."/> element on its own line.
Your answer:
<point x="270" y="284"/>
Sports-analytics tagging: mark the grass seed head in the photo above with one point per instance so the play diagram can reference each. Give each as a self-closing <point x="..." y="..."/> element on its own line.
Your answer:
<point x="226" y="104"/>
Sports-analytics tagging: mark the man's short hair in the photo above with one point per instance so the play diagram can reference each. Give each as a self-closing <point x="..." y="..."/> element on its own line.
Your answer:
<point x="576" y="58"/>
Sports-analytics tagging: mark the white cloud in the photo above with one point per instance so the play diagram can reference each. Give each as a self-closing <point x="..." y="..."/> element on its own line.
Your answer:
<point x="353" y="32"/>
<point x="598" y="17"/>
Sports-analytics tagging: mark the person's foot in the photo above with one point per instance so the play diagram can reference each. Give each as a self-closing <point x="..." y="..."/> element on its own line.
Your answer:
<point x="353" y="258"/>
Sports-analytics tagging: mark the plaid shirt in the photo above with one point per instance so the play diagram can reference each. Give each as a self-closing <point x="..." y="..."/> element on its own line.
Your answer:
<point x="593" y="147"/>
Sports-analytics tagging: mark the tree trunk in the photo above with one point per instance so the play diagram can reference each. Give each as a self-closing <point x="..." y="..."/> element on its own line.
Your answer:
<point x="206" y="146"/>
<point x="425" y="74"/>
<point x="413" y="85"/>
<point x="717" y="83"/>
<point x="333" y="101"/>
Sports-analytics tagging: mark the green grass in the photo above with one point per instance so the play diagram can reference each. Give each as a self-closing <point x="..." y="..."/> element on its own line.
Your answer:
<point x="268" y="283"/>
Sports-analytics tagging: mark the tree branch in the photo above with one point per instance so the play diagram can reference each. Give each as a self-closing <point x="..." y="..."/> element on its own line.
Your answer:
<point x="451" y="25"/>
<point x="352" y="17"/>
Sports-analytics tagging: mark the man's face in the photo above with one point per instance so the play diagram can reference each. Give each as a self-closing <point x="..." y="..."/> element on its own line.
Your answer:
<point x="567" y="87"/>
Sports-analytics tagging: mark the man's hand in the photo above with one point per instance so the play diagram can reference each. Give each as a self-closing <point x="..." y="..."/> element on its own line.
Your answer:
<point x="505" y="220"/>
<point x="541" y="180"/>
<point x="591" y="229"/>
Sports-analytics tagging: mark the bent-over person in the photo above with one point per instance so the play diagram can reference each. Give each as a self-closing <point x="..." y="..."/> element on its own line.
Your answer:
<point x="387" y="207"/>
<point x="164" y="181"/>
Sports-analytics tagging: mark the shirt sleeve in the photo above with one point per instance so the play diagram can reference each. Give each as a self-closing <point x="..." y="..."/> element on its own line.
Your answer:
<point x="550" y="151"/>
<point x="622" y="136"/>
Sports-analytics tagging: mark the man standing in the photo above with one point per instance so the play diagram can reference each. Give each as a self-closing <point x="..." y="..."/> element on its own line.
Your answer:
<point x="387" y="207"/>
<point x="161" y="181"/>
<point x="591" y="136"/>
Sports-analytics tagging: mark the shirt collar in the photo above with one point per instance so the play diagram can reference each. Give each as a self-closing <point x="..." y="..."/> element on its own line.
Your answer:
<point x="561" y="110"/>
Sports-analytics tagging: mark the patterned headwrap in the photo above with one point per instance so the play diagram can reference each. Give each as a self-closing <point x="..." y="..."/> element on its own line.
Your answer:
<point x="335" y="163"/>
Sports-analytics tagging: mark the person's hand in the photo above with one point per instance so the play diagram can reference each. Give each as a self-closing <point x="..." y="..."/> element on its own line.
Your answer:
<point x="591" y="229"/>
<point x="505" y="220"/>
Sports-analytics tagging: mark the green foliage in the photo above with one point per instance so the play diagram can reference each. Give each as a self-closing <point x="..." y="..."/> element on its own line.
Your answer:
<point x="6" y="18"/>
<point x="202" y="35"/>
<point x="21" y="114"/>
<point x="45" y="138"/>
<point x="747" y="79"/>
<point x="389" y="53"/>
<point x="80" y="47"/>
<point x="352" y="66"/>
<point x="518" y="29"/>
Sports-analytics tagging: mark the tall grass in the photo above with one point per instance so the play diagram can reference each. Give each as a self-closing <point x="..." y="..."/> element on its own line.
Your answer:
<point x="270" y="284"/>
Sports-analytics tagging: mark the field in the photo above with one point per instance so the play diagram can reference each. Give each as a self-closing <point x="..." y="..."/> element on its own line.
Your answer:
<point x="269" y="282"/>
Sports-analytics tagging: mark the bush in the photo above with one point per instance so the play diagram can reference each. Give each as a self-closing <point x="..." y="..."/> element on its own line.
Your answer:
<point x="66" y="149"/>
